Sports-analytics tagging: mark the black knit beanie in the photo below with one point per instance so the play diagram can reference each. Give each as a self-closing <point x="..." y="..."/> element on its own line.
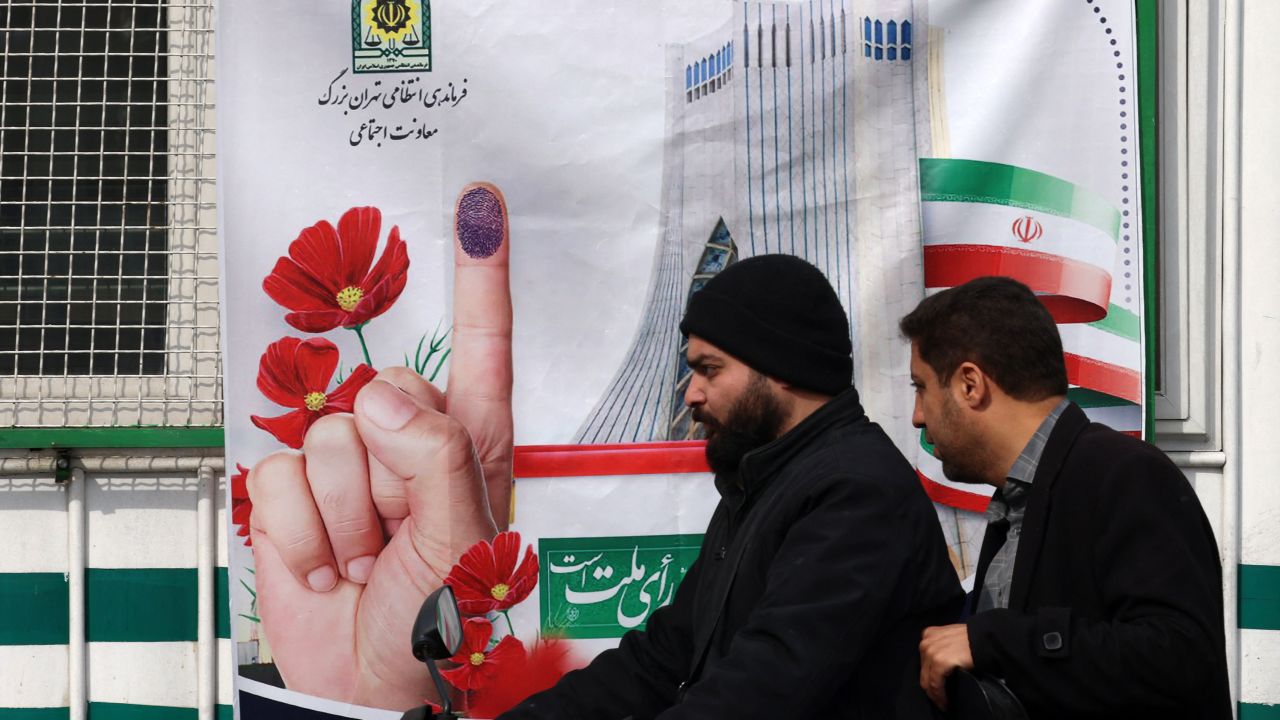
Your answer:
<point x="779" y="315"/>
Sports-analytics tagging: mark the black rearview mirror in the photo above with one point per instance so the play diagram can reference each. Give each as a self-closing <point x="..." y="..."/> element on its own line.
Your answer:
<point x="437" y="635"/>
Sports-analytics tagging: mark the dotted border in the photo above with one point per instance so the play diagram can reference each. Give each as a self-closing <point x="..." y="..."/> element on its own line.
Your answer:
<point x="1126" y="223"/>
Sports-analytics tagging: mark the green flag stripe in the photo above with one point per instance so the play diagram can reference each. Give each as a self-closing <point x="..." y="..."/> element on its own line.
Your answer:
<point x="1086" y="398"/>
<point x="951" y="180"/>
<point x="1121" y="322"/>
<point x="928" y="446"/>
<point x="121" y="605"/>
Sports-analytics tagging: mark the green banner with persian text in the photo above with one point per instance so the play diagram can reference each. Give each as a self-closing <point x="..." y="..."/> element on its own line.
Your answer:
<point x="602" y="587"/>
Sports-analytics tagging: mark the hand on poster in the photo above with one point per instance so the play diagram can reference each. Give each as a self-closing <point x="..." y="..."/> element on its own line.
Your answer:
<point x="397" y="480"/>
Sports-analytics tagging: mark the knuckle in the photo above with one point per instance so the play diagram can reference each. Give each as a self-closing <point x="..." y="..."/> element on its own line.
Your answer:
<point x="351" y="527"/>
<point x="270" y="471"/>
<point x="330" y="430"/>
<point x="302" y="543"/>
<point x="331" y="502"/>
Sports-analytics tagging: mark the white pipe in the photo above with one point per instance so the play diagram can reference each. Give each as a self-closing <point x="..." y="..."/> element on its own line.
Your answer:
<point x="78" y="659"/>
<point x="46" y="464"/>
<point x="206" y="615"/>
<point x="1232" y="362"/>
<point x="1199" y="459"/>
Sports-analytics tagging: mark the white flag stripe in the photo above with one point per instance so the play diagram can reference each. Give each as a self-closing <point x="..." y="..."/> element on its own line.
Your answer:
<point x="1090" y="342"/>
<point x="1125" y="418"/>
<point x="969" y="223"/>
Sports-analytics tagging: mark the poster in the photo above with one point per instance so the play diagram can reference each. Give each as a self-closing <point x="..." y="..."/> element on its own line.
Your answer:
<point x="901" y="146"/>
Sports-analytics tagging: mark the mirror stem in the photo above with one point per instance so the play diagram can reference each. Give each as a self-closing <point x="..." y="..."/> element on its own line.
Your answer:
<point x="442" y="690"/>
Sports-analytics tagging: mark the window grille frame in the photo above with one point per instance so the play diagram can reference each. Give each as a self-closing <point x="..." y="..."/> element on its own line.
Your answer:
<point x="182" y="405"/>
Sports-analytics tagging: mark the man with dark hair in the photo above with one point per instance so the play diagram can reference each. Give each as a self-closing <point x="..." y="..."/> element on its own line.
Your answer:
<point x="1098" y="592"/>
<point x="823" y="561"/>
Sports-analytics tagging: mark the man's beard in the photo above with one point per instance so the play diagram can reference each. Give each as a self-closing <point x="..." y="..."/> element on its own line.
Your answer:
<point x="965" y="459"/>
<point x="754" y="419"/>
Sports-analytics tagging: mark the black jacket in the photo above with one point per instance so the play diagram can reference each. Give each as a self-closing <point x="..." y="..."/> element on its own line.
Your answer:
<point x="1115" y="608"/>
<point x="816" y="576"/>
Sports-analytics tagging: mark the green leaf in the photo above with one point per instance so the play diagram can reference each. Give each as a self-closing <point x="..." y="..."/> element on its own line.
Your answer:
<point x="440" y="364"/>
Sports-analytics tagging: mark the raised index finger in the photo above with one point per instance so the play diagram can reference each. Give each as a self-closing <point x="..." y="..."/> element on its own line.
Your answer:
<point x="480" y="376"/>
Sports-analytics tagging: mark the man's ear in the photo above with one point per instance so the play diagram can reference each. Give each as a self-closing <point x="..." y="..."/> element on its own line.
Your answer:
<point x="971" y="386"/>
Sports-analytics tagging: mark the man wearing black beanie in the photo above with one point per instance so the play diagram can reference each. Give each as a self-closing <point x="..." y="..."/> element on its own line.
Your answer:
<point x="824" y="560"/>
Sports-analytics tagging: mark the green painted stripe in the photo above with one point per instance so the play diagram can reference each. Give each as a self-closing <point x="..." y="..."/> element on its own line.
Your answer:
<point x="222" y="604"/>
<point x="1086" y="398"/>
<point x="123" y="711"/>
<point x="140" y="605"/>
<point x="115" y="437"/>
<point x="34" y="609"/>
<point x="122" y="605"/>
<point x="1258" y="711"/>
<point x="1259" y="597"/>
<point x="35" y="714"/>
<point x="952" y="180"/>
<point x="1120" y="322"/>
<point x="113" y="711"/>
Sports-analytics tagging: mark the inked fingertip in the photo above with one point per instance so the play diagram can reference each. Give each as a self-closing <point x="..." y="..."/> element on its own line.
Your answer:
<point x="480" y="222"/>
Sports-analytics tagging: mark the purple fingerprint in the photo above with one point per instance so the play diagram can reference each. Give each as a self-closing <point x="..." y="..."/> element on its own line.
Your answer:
<point x="480" y="223"/>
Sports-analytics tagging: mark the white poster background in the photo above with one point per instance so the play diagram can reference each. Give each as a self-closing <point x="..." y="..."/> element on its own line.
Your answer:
<point x="564" y="111"/>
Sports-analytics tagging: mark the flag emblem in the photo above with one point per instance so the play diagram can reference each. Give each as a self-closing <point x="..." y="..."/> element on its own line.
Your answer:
<point x="1027" y="228"/>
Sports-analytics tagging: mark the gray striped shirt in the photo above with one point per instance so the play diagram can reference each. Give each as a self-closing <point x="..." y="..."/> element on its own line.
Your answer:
<point x="1010" y="503"/>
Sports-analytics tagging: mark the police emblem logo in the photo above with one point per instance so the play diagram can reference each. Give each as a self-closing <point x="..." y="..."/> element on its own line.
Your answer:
<point x="390" y="35"/>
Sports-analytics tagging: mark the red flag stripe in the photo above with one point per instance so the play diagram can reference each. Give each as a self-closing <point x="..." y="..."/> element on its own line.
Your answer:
<point x="1106" y="378"/>
<point x="1073" y="291"/>
<point x="688" y="456"/>
<point x="952" y="497"/>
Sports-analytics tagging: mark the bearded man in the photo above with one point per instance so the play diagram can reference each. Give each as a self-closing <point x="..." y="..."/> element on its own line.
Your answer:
<point x="824" y="560"/>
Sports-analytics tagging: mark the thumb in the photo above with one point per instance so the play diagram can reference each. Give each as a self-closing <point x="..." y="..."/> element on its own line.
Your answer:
<point x="448" y="504"/>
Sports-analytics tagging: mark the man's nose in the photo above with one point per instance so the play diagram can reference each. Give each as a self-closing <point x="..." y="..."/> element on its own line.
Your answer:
<point x="917" y="415"/>
<point x="693" y="395"/>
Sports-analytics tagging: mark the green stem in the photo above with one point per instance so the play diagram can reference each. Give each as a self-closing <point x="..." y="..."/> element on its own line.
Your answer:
<point x="360" y="334"/>
<point x="510" y="629"/>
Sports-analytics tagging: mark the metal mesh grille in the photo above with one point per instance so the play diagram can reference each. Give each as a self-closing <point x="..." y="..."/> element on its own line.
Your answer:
<point x="108" y="257"/>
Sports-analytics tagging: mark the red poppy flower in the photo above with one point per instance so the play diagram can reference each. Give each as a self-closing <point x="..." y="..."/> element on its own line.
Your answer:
<point x="295" y="373"/>
<point x="486" y="577"/>
<point x="241" y="506"/>
<point x="326" y="279"/>
<point x="476" y="668"/>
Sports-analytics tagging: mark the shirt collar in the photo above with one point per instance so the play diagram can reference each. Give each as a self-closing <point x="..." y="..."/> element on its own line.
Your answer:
<point x="1024" y="468"/>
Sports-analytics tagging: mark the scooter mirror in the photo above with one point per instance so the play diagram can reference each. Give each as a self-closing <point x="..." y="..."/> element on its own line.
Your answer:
<point x="437" y="633"/>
